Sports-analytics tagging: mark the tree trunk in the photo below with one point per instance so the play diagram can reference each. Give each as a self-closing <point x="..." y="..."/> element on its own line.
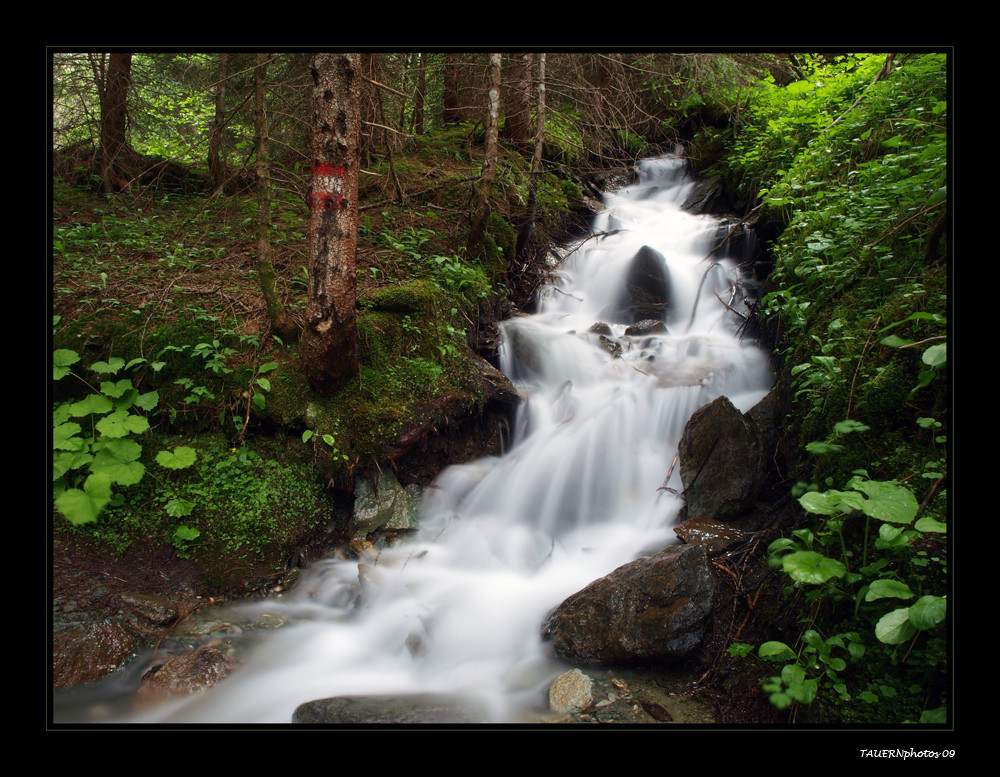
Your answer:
<point x="418" y="97"/>
<point x="481" y="201"/>
<point x="281" y="323"/>
<point x="217" y="170"/>
<point x="524" y="234"/>
<point x="517" y="125"/>
<point x="329" y="342"/>
<point x="115" y="153"/>
<point x="452" y="113"/>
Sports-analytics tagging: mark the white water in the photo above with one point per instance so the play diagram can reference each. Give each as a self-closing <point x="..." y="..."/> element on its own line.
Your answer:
<point x="504" y="540"/>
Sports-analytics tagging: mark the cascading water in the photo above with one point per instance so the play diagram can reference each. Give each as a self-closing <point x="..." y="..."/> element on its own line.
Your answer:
<point x="580" y="492"/>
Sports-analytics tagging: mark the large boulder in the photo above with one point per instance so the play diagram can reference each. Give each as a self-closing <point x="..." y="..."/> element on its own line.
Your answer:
<point x="724" y="457"/>
<point x="647" y="289"/>
<point x="656" y="608"/>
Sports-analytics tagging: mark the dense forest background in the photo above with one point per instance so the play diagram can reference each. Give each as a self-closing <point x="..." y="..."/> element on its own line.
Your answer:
<point x="185" y="415"/>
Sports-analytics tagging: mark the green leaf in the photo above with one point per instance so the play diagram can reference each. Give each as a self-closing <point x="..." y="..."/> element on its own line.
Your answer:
<point x="307" y="435"/>
<point x="880" y="589"/>
<point x="115" y="390"/>
<point x="112" y="365"/>
<point x="258" y="399"/>
<point x="848" y="426"/>
<point x="81" y="506"/>
<point x="927" y="612"/>
<point x="267" y="367"/>
<point x="807" y="566"/>
<point x="92" y="403"/>
<point x="819" y="448"/>
<point x="823" y="502"/>
<point x="62" y="359"/>
<point x="928" y="524"/>
<point x="64" y="437"/>
<point x="180" y="458"/>
<point x="177" y="508"/>
<point x="186" y="533"/>
<point x="148" y="401"/>
<point x="122" y="424"/>
<point x="886" y="501"/>
<point x="936" y="355"/>
<point x="894" y="628"/>
<point x="264" y="383"/>
<point x="894" y="341"/>
<point x="117" y="460"/>
<point x="776" y="651"/>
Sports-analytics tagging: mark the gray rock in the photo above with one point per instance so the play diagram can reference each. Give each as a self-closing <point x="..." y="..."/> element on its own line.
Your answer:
<point x="572" y="691"/>
<point x="387" y="506"/>
<point x="656" y="608"/>
<point x="402" y="709"/>
<point x="722" y="461"/>
<point x="186" y="673"/>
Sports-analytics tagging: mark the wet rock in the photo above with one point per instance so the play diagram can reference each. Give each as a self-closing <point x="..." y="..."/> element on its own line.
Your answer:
<point x="722" y="461"/>
<point x="572" y="691"/>
<point x="647" y="288"/>
<point x="656" y="608"/>
<point x="87" y="652"/>
<point x="649" y="326"/>
<point x="158" y="610"/>
<point x="716" y="537"/>
<point x="186" y="673"/>
<point x="386" y="506"/>
<point x="402" y="709"/>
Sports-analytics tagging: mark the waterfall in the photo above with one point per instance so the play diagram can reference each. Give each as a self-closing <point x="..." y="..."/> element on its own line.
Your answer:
<point x="628" y="340"/>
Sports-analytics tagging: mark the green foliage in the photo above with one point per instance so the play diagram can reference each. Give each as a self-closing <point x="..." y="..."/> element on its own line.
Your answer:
<point x="91" y="449"/>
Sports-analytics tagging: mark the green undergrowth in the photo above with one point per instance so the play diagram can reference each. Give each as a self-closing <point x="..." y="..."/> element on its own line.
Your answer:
<point x="856" y="167"/>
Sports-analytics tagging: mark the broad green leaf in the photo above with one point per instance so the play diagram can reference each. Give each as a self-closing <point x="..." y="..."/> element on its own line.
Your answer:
<point x="848" y="426"/>
<point x="148" y="401"/>
<point x="122" y="424"/>
<point x="928" y="524"/>
<point x="62" y="360"/>
<point x="928" y="611"/>
<point x="258" y="399"/>
<point x="880" y="589"/>
<point x="886" y="501"/>
<point x="180" y="458"/>
<point x="92" y="403"/>
<point x="69" y="460"/>
<point x="818" y="448"/>
<point x="264" y="383"/>
<point x="894" y="628"/>
<point x="895" y="341"/>
<point x="118" y="460"/>
<point x="808" y="566"/>
<point x="186" y="533"/>
<point x="112" y="365"/>
<point x="115" y="390"/>
<point x="267" y="367"/>
<point x="776" y="651"/>
<point x="306" y="435"/>
<point x="936" y="355"/>
<point x="799" y="87"/>
<point x="84" y="505"/>
<point x="64" y="437"/>
<point x="177" y="508"/>
<point x="824" y="502"/>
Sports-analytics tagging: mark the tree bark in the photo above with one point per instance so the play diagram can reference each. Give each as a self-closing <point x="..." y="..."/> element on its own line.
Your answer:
<point x="481" y="200"/>
<point x="524" y="234"/>
<point x="217" y="170"/>
<point x="281" y="323"/>
<point x="517" y="124"/>
<point x="418" y="97"/>
<point x="451" y="113"/>
<point x="329" y="341"/>
<point x="115" y="151"/>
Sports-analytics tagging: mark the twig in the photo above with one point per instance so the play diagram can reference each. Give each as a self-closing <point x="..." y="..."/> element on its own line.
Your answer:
<point x="850" y="396"/>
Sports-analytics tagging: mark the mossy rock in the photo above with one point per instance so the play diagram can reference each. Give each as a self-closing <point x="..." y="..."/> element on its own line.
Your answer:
<point x="417" y="296"/>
